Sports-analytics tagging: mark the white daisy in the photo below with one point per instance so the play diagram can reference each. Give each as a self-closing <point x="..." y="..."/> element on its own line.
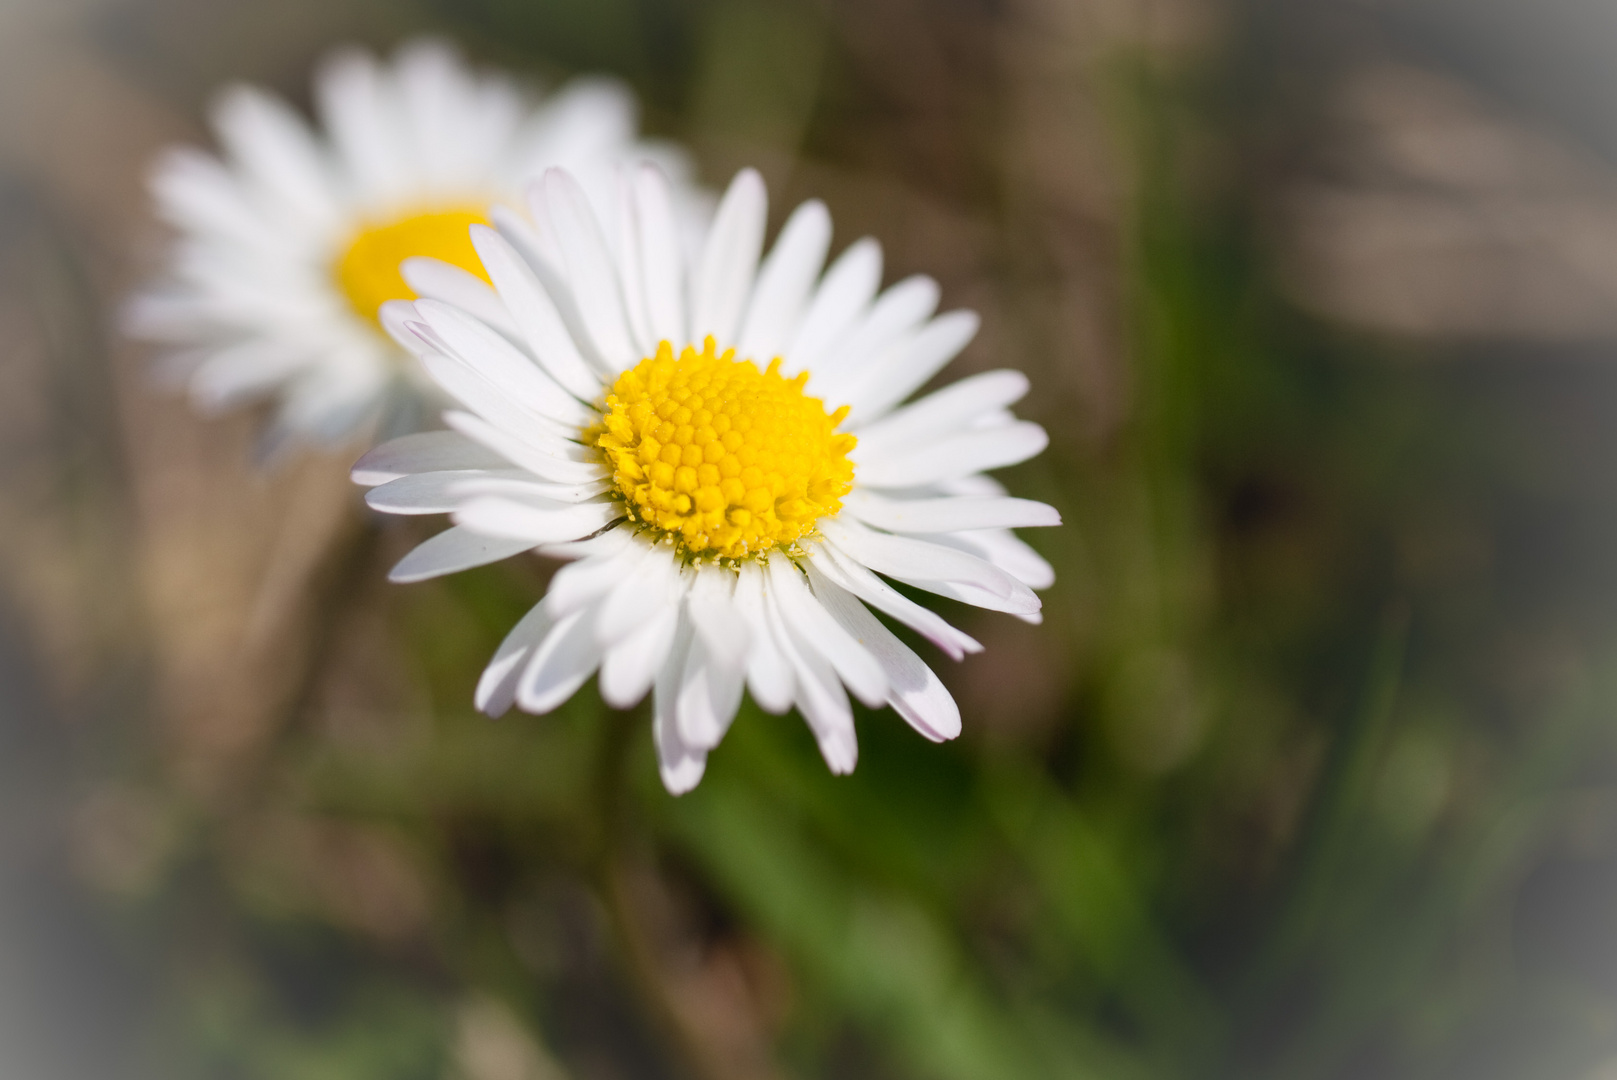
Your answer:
<point x="288" y="246"/>
<point x="721" y="452"/>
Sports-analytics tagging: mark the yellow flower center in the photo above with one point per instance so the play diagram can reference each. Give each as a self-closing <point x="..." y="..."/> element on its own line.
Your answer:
<point x="368" y="269"/>
<point x="727" y="460"/>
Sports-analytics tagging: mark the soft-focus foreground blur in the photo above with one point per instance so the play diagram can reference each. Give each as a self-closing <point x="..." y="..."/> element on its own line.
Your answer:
<point x="1311" y="771"/>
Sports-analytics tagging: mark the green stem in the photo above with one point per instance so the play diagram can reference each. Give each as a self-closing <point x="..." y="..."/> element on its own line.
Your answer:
<point x="613" y="882"/>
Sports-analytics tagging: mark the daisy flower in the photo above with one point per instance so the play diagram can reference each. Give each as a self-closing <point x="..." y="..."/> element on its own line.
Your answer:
<point x="289" y="244"/>
<point x="722" y="453"/>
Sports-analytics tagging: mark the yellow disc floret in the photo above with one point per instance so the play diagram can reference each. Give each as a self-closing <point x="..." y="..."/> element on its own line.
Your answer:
<point x="368" y="268"/>
<point x="728" y="460"/>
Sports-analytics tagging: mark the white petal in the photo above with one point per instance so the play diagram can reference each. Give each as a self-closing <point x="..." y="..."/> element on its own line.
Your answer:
<point x="661" y="263"/>
<point x="713" y="614"/>
<point x="276" y="147"/>
<point x="438" y="280"/>
<point x="426" y="451"/>
<point x="422" y="493"/>
<point x="631" y="274"/>
<point x="957" y="455"/>
<point x="460" y="126"/>
<point x="330" y="402"/>
<point x="977" y="486"/>
<point x="471" y="385"/>
<point x="435" y="98"/>
<point x="492" y="127"/>
<point x="503" y="366"/>
<point x="591" y="275"/>
<point x="916" y="561"/>
<point x="948" y="514"/>
<point x="904" y="306"/>
<point x="521" y="486"/>
<point x="998" y="418"/>
<point x="894" y="316"/>
<point x="497" y="689"/>
<point x="900" y="375"/>
<point x="817" y="632"/>
<point x="916" y="692"/>
<point x="680" y="764"/>
<point x="715" y="670"/>
<point x="940" y="413"/>
<point x="452" y="550"/>
<point x="539" y="460"/>
<point x="1011" y="554"/>
<point x="609" y="543"/>
<point x="362" y="115"/>
<point x="769" y="675"/>
<point x="197" y="194"/>
<point x="396" y="317"/>
<point x="729" y="261"/>
<point x="536" y="317"/>
<point x="630" y="666"/>
<point x="878" y="594"/>
<point x="695" y="716"/>
<point x="491" y="515"/>
<point x="586" y="120"/>
<point x="818" y="693"/>
<point x="784" y="282"/>
<point x="537" y="247"/>
<point x="977" y="596"/>
<point x="245" y="369"/>
<point x="586" y="582"/>
<point x="654" y="585"/>
<point x="567" y="656"/>
<point x="844" y="294"/>
<point x="709" y="695"/>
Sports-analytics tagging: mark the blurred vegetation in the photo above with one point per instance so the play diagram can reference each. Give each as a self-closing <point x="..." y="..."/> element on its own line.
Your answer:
<point x="1309" y="772"/>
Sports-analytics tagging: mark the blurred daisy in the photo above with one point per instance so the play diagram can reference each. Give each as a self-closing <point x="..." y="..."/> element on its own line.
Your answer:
<point x="722" y="453"/>
<point x="288" y="246"/>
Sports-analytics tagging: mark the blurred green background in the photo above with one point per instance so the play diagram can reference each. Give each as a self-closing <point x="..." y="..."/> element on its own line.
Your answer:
<point x="1311" y="771"/>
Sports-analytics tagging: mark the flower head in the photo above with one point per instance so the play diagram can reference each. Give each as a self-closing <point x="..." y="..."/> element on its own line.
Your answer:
<point x="721" y="453"/>
<point x="289" y="245"/>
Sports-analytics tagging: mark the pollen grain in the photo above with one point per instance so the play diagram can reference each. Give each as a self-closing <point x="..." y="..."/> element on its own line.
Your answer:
<point x="727" y="460"/>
